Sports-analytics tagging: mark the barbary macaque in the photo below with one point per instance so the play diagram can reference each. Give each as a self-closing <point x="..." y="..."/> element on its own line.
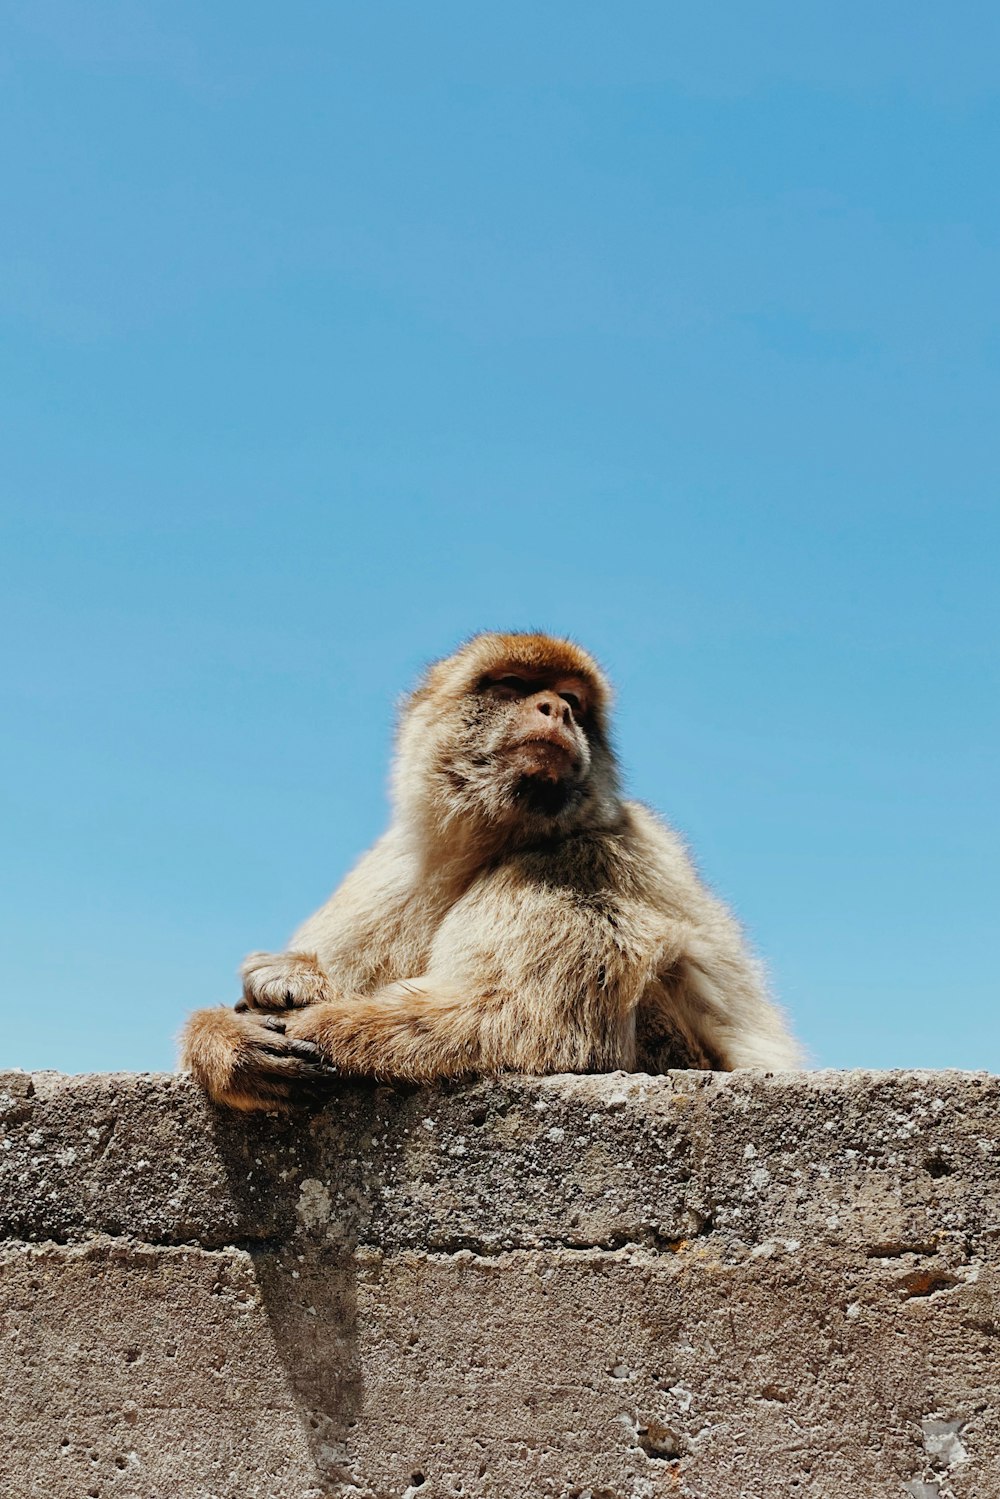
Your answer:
<point x="517" y="915"/>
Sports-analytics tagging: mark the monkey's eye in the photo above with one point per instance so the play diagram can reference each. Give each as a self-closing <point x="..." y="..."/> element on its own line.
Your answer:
<point x="511" y="686"/>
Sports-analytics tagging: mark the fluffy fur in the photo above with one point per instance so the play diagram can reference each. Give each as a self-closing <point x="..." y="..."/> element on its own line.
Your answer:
<point x="518" y="914"/>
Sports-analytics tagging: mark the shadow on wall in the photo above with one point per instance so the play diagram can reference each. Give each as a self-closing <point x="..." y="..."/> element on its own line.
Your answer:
<point x="306" y="1271"/>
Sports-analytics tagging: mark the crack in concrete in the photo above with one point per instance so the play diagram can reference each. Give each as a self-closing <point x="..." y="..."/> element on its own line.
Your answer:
<point x="458" y="1248"/>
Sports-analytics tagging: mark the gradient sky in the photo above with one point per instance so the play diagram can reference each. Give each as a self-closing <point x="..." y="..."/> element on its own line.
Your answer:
<point x="331" y="334"/>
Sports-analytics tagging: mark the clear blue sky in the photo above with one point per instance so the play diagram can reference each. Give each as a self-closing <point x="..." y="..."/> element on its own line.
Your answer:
<point x="332" y="333"/>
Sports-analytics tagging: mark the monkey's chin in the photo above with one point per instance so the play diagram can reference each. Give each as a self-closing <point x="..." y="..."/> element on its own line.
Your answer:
<point x="543" y="797"/>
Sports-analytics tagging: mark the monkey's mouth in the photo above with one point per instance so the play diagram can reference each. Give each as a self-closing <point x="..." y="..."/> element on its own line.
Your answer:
<point x="551" y="758"/>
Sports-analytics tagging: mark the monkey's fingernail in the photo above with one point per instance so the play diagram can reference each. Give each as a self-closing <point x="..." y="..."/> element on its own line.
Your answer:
<point x="271" y="1024"/>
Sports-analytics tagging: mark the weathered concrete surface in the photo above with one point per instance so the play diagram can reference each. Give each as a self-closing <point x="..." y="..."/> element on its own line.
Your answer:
<point x="619" y="1287"/>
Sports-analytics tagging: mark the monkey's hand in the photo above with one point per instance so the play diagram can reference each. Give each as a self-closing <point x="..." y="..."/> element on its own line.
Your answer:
<point x="413" y="1030"/>
<point x="282" y="981"/>
<point x="246" y="1061"/>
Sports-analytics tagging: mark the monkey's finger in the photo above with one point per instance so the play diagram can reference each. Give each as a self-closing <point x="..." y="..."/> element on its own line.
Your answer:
<point x="322" y="1072"/>
<point x="281" y="1061"/>
<point x="307" y="1050"/>
<point x="261" y="1005"/>
<point x="264" y="1001"/>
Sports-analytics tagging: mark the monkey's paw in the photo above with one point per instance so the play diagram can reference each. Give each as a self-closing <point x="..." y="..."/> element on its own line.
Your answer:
<point x="248" y="1062"/>
<point x="282" y="981"/>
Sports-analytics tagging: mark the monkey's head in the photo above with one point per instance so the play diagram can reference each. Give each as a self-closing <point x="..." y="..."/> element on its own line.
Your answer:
<point x="509" y="736"/>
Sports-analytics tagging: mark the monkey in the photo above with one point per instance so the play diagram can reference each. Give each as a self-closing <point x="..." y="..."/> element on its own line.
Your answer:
<point x="518" y="915"/>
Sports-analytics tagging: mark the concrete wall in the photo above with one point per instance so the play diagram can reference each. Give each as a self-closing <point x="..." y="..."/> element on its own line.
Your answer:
<point x="610" y="1287"/>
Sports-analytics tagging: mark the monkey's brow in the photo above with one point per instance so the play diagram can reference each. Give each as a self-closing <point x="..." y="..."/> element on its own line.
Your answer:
<point x="533" y="673"/>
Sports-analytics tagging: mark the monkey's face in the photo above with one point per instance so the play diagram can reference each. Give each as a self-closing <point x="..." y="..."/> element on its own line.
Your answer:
<point x="532" y="728"/>
<point x="519" y="747"/>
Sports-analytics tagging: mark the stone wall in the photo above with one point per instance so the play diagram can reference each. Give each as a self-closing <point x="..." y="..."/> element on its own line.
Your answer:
<point x="612" y="1287"/>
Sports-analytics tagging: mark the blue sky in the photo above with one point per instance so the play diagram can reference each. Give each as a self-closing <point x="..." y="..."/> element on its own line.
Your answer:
<point x="331" y="334"/>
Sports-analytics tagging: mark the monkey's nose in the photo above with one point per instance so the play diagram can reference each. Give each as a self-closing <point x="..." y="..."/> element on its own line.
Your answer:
<point x="554" y="707"/>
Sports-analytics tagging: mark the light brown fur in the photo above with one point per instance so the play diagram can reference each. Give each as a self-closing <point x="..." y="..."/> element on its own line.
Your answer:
<point x="518" y="914"/>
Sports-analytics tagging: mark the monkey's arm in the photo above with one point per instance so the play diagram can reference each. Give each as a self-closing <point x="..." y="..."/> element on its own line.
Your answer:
<point x="407" y="1031"/>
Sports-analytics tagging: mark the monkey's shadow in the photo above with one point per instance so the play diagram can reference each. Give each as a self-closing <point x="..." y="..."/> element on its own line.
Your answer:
<point x="305" y="1197"/>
